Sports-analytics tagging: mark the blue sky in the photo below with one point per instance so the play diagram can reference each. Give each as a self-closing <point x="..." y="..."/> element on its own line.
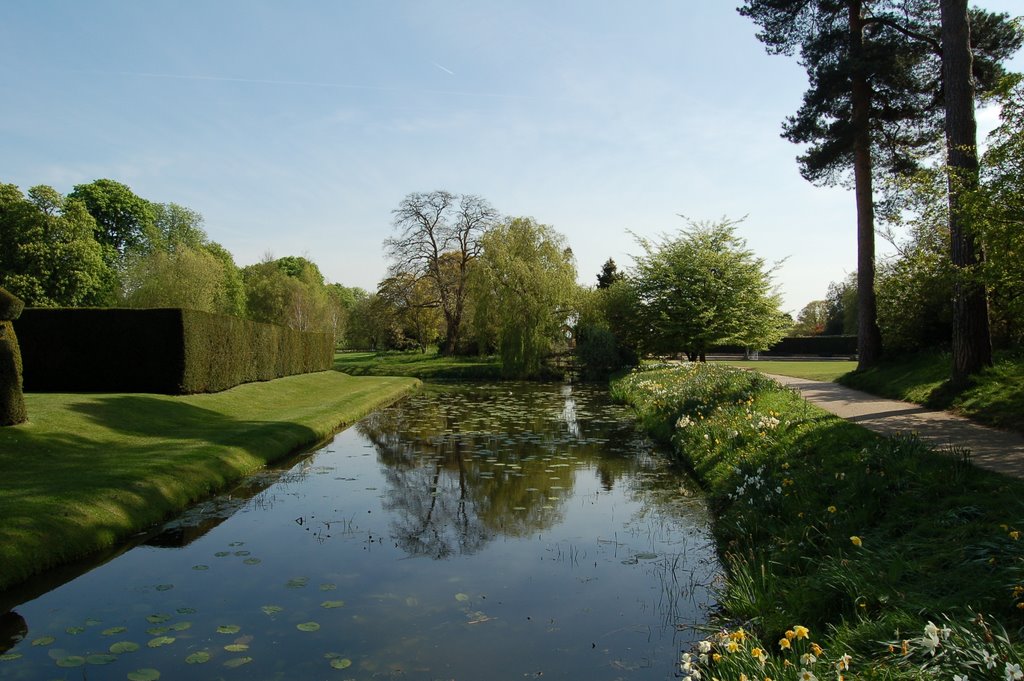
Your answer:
<point x="296" y="127"/>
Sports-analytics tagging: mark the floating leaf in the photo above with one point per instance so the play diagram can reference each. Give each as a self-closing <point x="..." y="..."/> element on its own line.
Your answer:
<point x="243" y="553"/>
<point x="461" y="597"/>
<point x="308" y="626"/>
<point x="412" y="602"/>
<point x="222" y="554"/>
<point x="71" y="661"/>
<point x="198" y="658"/>
<point x="143" y="675"/>
<point x="228" y="629"/>
<point x="181" y="626"/>
<point x="114" y="630"/>
<point x="236" y="647"/>
<point x="92" y="622"/>
<point x="341" y="663"/>
<point x="237" y="662"/>
<point x="157" y="619"/>
<point x="186" y="611"/>
<point x="200" y="567"/>
<point x="271" y="609"/>
<point x="122" y="647"/>
<point x="7" y="657"/>
<point x="43" y="641"/>
<point x="237" y="543"/>
<point x="101" y="658"/>
<point x="332" y="604"/>
<point x="74" y="631"/>
<point x="164" y="587"/>
<point x="646" y="556"/>
<point x="252" y="561"/>
<point x="156" y="631"/>
<point x="161" y="641"/>
<point x="328" y="587"/>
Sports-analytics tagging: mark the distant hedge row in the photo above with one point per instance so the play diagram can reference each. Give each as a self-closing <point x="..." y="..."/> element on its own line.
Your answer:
<point x="170" y="351"/>
<point x="820" y="346"/>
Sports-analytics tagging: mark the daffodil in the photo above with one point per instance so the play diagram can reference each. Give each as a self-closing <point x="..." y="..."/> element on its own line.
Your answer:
<point x="856" y="541"/>
<point x="807" y="675"/>
<point x="801" y="631"/>
<point x="784" y="644"/>
<point x="807" y="659"/>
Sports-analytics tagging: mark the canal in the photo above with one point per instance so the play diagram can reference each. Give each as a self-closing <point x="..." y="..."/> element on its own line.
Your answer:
<point x="498" y="531"/>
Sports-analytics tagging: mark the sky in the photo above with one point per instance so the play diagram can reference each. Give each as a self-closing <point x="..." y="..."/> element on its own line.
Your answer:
<point x="295" y="128"/>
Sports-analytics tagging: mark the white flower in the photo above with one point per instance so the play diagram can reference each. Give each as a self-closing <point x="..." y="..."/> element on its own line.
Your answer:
<point x="844" y="663"/>
<point x="807" y="675"/>
<point x="929" y="643"/>
<point x="989" y="659"/>
<point x="704" y="646"/>
<point x="1013" y="672"/>
<point x="930" y="630"/>
<point x="960" y="677"/>
<point x="807" y="659"/>
<point x="945" y="631"/>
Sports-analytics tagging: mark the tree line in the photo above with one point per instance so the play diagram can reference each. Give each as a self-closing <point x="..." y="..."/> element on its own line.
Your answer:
<point x="893" y="87"/>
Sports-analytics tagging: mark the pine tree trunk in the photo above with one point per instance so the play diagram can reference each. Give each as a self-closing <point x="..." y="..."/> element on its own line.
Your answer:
<point x="972" y="344"/>
<point x="869" y="338"/>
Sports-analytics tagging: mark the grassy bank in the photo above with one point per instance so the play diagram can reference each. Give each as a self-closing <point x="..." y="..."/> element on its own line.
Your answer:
<point x="424" y="365"/>
<point x="837" y="541"/>
<point x="90" y="469"/>
<point x="996" y="398"/>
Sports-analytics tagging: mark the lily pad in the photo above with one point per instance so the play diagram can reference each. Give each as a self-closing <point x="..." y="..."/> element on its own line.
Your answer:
<point x="200" y="567"/>
<point x="332" y="604"/>
<point x="186" y="611"/>
<point x="7" y="657"/>
<point x="222" y="554"/>
<point x="297" y="582"/>
<point x="161" y="641"/>
<point x="71" y="661"/>
<point x="43" y="641"/>
<point x="74" y="631"/>
<point x="236" y="648"/>
<point x="461" y="597"/>
<point x="143" y="675"/>
<point x="228" y="629"/>
<point x="341" y="663"/>
<point x="181" y="626"/>
<point x="114" y="630"/>
<point x="328" y="587"/>
<point x="252" y="561"/>
<point x="157" y="631"/>
<point x="646" y="556"/>
<point x="164" y="587"/>
<point x="91" y="622"/>
<point x="101" y="658"/>
<point x="200" y="657"/>
<point x="122" y="647"/>
<point x="158" y="618"/>
<point x="308" y="626"/>
<point x="272" y="609"/>
<point x="243" y="553"/>
<point x="237" y="662"/>
<point x="237" y="543"/>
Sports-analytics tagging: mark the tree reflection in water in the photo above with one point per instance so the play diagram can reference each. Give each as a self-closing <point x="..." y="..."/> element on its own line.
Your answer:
<point x="465" y="464"/>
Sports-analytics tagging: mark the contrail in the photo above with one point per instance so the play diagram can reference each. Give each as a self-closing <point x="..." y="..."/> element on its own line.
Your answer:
<point x="448" y="71"/>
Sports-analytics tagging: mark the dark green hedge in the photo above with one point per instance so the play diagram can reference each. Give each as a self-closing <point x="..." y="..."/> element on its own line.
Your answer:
<point x="820" y="346"/>
<point x="168" y="351"/>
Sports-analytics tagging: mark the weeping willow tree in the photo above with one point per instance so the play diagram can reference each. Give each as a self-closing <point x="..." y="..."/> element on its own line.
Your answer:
<point x="524" y="285"/>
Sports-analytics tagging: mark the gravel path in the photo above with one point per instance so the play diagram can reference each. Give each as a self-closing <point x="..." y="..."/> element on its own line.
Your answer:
<point x="996" y="450"/>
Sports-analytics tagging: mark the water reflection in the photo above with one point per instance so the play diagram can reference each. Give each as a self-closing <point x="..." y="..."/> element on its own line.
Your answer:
<point x="441" y="538"/>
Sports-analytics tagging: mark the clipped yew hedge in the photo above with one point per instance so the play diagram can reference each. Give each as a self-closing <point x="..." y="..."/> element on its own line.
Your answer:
<point x="170" y="351"/>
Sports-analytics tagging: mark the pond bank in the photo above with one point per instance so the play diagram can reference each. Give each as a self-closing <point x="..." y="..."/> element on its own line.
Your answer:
<point x="88" y="470"/>
<point x="857" y="538"/>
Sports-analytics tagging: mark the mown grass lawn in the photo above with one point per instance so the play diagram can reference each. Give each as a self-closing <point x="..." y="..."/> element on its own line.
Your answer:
<point x="425" y="365"/>
<point x="87" y="470"/>
<point x="824" y="370"/>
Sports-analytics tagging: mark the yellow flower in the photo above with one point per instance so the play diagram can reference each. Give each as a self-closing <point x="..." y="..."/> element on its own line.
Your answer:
<point x="716" y="657"/>
<point x="831" y="509"/>
<point x="856" y="541"/>
<point x="784" y="644"/>
<point x="1020" y="606"/>
<point x="1015" y="535"/>
<point x="743" y="677"/>
<point x="790" y="634"/>
<point x="758" y="654"/>
<point x="816" y="649"/>
<point x="801" y="632"/>
<point x="732" y="646"/>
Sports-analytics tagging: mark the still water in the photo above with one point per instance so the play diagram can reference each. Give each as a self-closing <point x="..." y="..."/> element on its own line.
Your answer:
<point x="500" y="531"/>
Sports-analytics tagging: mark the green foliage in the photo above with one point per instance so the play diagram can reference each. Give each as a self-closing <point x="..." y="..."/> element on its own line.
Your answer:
<point x="812" y="319"/>
<point x="290" y="292"/>
<point x="50" y="256"/>
<point x="828" y="526"/>
<point x="602" y="339"/>
<point x="129" y="461"/>
<point x="525" y="285"/>
<point x="12" y="401"/>
<point x="429" y="365"/>
<point x="190" y="277"/>
<point x="124" y="220"/>
<point x="705" y="288"/>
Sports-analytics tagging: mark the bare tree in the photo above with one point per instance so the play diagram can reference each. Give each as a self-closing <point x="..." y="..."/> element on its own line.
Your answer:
<point x="438" y="237"/>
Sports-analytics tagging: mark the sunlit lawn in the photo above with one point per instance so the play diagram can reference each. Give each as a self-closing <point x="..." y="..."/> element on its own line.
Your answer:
<point x="89" y="469"/>
<point x="429" y="364"/>
<point x="816" y="370"/>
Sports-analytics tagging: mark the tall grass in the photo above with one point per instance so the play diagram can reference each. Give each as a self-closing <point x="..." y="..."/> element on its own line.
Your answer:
<point x="858" y="538"/>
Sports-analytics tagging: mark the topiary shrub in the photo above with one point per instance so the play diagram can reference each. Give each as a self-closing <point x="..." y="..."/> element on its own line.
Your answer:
<point x="12" y="401"/>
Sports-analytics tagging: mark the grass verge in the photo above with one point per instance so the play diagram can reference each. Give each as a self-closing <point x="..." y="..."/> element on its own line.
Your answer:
<point x="809" y="369"/>
<point x="87" y="470"/>
<point x="836" y="541"/>
<point x="996" y="398"/>
<point x="424" y="365"/>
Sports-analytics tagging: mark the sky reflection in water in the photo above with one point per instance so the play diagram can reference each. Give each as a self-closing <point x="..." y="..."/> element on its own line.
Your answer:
<point x="499" y="531"/>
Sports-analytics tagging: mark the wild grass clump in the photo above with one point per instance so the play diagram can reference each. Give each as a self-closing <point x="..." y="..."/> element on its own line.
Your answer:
<point x="860" y="539"/>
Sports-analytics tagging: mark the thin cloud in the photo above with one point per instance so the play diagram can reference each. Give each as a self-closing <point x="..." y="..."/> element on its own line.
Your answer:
<point x="448" y="71"/>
